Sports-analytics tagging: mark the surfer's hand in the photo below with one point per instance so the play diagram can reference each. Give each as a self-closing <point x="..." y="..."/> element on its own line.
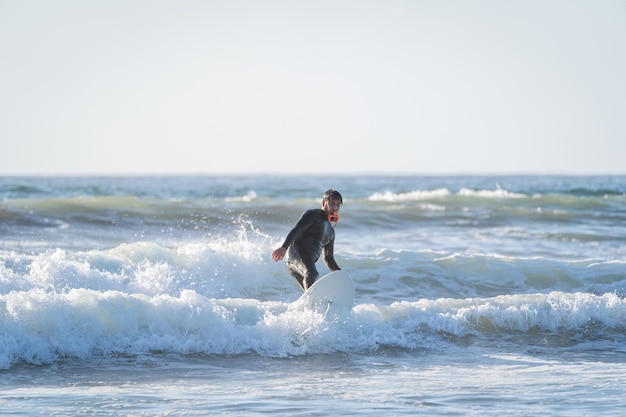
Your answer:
<point x="279" y="254"/>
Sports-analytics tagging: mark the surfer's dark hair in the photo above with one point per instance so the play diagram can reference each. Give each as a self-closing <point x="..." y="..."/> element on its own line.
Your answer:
<point x="333" y="195"/>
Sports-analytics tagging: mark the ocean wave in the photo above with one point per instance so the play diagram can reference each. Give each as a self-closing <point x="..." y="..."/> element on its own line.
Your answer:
<point x="497" y="193"/>
<point x="415" y="195"/>
<point x="409" y="196"/>
<point x="248" y="197"/>
<point x="238" y="264"/>
<point x="39" y="327"/>
<point x="134" y="266"/>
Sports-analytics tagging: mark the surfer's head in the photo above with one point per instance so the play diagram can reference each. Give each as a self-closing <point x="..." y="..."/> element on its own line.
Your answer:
<point x="331" y="203"/>
<point x="333" y="195"/>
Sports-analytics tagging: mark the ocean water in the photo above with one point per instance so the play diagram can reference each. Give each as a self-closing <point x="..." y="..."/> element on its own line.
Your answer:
<point x="155" y="296"/>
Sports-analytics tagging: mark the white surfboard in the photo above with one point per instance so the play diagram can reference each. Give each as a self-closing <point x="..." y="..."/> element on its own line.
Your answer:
<point x="333" y="293"/>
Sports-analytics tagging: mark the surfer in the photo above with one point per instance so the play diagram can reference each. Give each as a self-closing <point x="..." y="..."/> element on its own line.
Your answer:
<point x="312" y="235"/>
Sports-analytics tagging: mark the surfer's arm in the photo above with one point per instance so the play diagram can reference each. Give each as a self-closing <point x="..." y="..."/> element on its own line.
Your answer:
<point x="279" y="254"/>
<point x="329" y="257"/>
<point x="305" y="221"/>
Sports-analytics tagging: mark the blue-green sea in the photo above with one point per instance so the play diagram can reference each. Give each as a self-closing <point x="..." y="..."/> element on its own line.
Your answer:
<point x="157" y="296"/>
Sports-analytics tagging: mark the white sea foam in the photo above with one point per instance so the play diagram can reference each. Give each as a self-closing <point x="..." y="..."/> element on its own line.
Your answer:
<point x="409" y="196"/>
<point x="249" y="196"/>
<point x="497" y="193"/>
<point x="442" y="192"/>
<point x="40" y="327"/>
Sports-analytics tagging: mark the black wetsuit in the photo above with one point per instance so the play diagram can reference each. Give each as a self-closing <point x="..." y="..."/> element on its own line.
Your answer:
<point x="312" y="235"/>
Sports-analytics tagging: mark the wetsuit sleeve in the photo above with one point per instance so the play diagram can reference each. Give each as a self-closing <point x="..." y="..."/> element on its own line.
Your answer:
<point x="329" y="257"/>
<point x="306" y="220"/>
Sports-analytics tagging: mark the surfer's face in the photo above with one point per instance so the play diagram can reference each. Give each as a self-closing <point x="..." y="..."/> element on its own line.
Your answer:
<point x="331" y="205"/>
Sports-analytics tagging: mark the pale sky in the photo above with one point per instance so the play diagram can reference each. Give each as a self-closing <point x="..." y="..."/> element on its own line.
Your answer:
<point x="312" y="87"/>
